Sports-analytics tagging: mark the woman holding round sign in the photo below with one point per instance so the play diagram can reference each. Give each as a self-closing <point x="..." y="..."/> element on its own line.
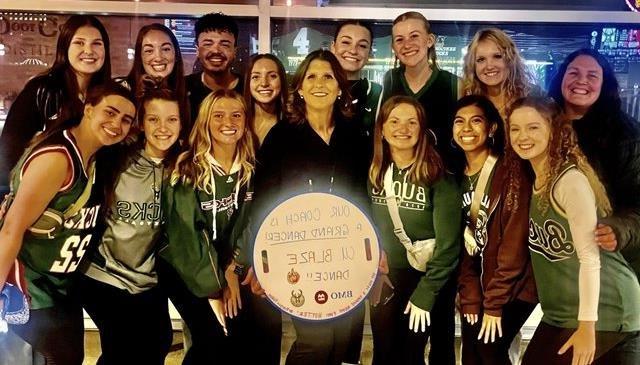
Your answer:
<point x="318" y="151"/>
<point x="416" y="208"/>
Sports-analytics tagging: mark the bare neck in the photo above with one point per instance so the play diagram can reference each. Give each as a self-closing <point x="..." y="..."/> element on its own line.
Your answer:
<point x="418" y="75"/>
<point x="87" y="144"/>
<point x="321" y="120"/>
<point x="475" y="161"/>
<point x="264" y="120"/>
<point x="222" y="80"/>
<point x="402" y="158"/>
<point x="225" y="155"/>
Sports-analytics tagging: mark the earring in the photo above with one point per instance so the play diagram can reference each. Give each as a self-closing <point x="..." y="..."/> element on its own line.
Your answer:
<point x="453" y="143"/>
<point x="491" y="139"/>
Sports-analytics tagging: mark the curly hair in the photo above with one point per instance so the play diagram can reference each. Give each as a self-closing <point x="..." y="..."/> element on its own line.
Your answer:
<point x="517" y="83"/>
<point x="427" y="166"/>
<point x="563" y="149"/>
<point x="192" y="166"/>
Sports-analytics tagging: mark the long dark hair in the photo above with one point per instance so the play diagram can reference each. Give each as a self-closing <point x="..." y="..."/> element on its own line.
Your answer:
<point x="175" y="81"/>
<point x="296" y="106"/>
<point x="609" y="99"/>
<point x="61" y="71"/>
<point x="281" y="100"/>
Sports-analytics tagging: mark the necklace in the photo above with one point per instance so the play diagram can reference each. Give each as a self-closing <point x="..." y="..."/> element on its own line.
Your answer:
<point x="473" y="179"/>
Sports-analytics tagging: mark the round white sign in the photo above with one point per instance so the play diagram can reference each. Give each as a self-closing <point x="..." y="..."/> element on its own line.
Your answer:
<point x="316" y="256"/>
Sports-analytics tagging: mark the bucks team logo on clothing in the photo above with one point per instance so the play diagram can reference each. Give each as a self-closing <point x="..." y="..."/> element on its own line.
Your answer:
<point x="412" y="197"/>
<point x="75" y="246"/>
<point x="221" y="205"/>
<point x="480" y="231"/>
<point x="550" y="240"/>
<point x="138" y="212"/>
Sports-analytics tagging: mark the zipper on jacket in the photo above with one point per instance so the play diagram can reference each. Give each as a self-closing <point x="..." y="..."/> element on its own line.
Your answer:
<point x="213" y="265"/>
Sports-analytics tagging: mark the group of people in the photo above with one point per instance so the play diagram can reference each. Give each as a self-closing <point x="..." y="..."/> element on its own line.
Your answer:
<point x="125" y="192"/>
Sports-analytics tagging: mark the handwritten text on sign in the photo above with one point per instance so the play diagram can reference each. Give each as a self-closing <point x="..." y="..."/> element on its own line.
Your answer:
<point x="316" y="256"/>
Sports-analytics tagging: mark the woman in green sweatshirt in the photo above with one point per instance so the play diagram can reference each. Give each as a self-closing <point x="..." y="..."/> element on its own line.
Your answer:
<point x="407" y="169"/>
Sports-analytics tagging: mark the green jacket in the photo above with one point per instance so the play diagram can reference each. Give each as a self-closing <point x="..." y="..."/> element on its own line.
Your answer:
<point x="189" y="243"/>
<point x="426" y="212"/>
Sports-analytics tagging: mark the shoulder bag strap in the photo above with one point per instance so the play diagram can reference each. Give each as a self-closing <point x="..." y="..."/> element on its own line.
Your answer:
<point x="487" y="167"/>
<point x="392" y="205"/>
<point x="76" y="206"/>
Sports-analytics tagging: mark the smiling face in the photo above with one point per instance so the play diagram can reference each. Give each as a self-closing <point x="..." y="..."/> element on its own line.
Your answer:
<point x="529" y="133"/>
<point x="161" y="126"/>
<point x="265" y="83"/>
<point x="582" y="84"/>
<point x="227" y="124"/>
<point x="411" y="42"/>
<point x="158" y="54"/>
<point x="490" y="64"/>
<point x="86" y="51"/>
<point x="111" y="119"/>
<point x="216" y="51"/>
<point x="352" y="47"/>
<point x="401" y="130"/>
<point x="319" y="87"/>
<point x="471" y="129"/>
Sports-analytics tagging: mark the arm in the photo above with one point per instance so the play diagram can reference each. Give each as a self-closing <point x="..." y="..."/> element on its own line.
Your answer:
<point x="513" y="253"/>
<point x="41" y="181"/>
<point x="575" y="196"/>
<point x="187" y="239"/>
<point x="626" y="184"/>
<point x="469" y="286"/>
<point x="447" y="200"/>
<point x="23" y="122"/>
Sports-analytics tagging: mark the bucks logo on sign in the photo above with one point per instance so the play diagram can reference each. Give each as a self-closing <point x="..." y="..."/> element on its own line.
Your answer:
<point x="550" y="240"/>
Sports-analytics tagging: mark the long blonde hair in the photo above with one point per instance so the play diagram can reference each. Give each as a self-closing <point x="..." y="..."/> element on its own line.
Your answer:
<point x="192" y="166"/>
<point x="517" y="83"/>
<point x="427" y="166"/>
<point x="563" y="149"/>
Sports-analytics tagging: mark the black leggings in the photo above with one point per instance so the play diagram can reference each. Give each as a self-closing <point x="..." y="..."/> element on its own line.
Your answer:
<point x="619" y="348"/>
<point x="476" y="352"/>
<point x="134" y="328"/>
<point x="394" y="343"/>
<point x="57" y="333"/>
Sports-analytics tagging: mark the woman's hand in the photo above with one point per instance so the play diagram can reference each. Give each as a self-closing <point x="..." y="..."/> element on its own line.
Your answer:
<point x="418" y="318"/>
<point x="490" y="326"/>
<point x="217" y="305"/>
<point x="378" y="288"/>
<point x="606" y="237"/>
<point x="252" y="279"/>
<point x="471" y="318"/>
<point x="231" y="293"/>
<point x="583" y="342"/>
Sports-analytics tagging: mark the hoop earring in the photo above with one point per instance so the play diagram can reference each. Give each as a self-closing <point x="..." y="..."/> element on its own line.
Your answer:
<point x="453" y="144"/>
